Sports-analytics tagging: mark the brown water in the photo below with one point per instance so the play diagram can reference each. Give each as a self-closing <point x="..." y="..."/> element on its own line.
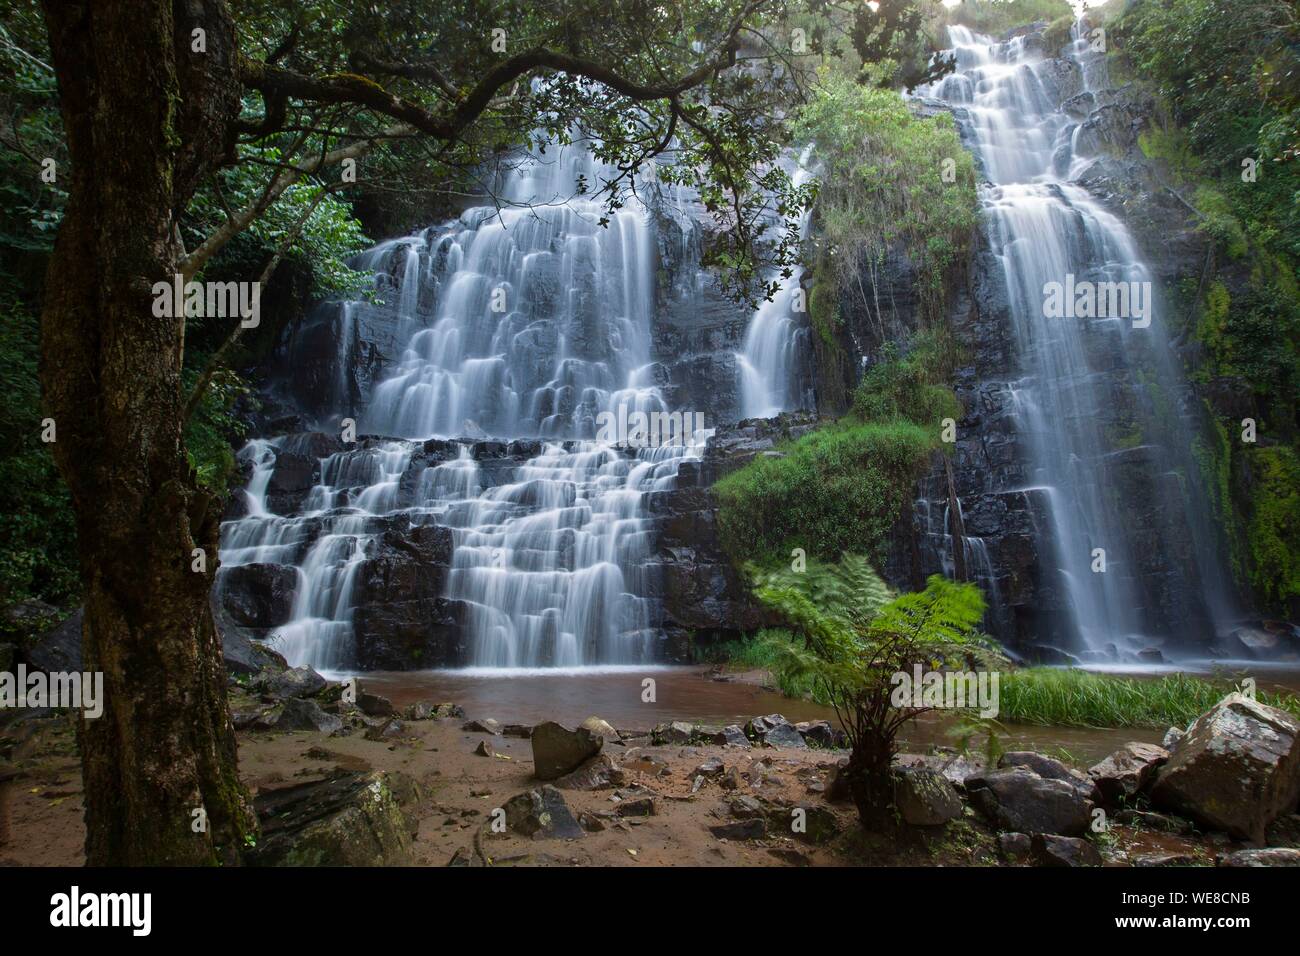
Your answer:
<point x="690" y="693"/>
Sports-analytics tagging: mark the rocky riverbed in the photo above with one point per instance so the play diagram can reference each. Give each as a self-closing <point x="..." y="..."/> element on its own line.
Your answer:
<point x="342" y="775"/>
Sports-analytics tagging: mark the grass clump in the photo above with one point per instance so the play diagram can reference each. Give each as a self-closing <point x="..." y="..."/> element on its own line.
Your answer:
<point x="1067" y="697"/>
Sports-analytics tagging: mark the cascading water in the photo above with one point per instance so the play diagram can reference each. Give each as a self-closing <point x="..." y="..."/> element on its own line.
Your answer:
<point x="1045" y="229"/>
<point x="529" y="320"/>
<point x="777" y="336"/>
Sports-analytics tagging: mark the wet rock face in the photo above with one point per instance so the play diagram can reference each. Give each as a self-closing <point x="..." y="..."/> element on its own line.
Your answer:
<point x="258" y="595"/>
<point x="1237" y="768"/>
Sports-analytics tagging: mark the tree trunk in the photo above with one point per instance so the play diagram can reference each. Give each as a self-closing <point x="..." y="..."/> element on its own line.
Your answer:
<point x="146" y="118"/>
<point x="871" y="785"/>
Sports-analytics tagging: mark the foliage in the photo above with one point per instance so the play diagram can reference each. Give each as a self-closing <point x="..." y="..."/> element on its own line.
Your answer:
<point x="839" y="488"/>
<point x="887" y="177"/>
<point x="842" y="487"/>
<point x="852" y="640"/>
<point x="1068" y="697"/>
<point x="1226" y="76"/>
<point x="1275" y="524"/>
<point x="38" y="559"/>
<point x="995" y="17"/>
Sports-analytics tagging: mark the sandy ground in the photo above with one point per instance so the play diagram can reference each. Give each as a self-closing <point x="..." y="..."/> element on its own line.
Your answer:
<point x="41" y="806"/>
<point x="41" y="801"/>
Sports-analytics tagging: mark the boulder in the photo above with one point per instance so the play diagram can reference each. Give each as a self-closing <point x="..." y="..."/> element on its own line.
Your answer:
<point x="1020" y="800"/>
<point x="1017" y="848"/>
<point x="372" y="705"/>
<point x="59" y="648"/>
<point x="784" y="735"/>
<point x="558" y="750"/>
<point x="1237" y="768"/>
<point x="1271" y="856"/>
<point x="924" y="797"/>
<point x="1127" y="772"/>
<point x="820" y="733"/>
<point x="294" y="682"/>
<point x="350" y="819"/>
<point x="297" y="714"/>
<point x="1049" y="768"/>
<point x="484" y="726"/>
<point x="732" y="736"/>
<point x="542" y="814"/>
<point x="1050" y="850"/>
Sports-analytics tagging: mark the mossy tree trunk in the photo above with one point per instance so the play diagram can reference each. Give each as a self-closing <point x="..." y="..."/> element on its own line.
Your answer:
<point x="147" y="116"/>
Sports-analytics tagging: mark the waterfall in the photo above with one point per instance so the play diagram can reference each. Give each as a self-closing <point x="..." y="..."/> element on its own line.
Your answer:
<point x="1088" y="337"/>
<point x="777" y="336"/>
<point x="528" y="320"/>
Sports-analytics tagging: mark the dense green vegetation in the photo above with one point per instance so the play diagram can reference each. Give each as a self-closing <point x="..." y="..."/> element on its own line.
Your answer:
<point x="1065" y="697"/>
<point x="842" y="487"/>
<point x="888" y="177"/>
<point x="1226" y="139"/>
<point x="998" y="16"/>
<point x="309" y="227"/>
<point x="850" y="639"/>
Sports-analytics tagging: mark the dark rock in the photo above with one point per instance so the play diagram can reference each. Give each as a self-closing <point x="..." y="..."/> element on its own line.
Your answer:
<point x="1017" y="848"/>
<point x="59" y="649"/>
<point x="677" y="732"/>
<point x="754" y="828"/>
<point x="642" y="807"/>
<point x="372" y="705"/>
<point x="297" y="714"/>
<point x="295" y="682"/>
<point x="257" y="595"/>
<point x="598" y="773"/>
<point x="1050" y="850"/>
<point x="924" y="797"/>
<point x="485" y="726"/>
<point x="731" y="735"/>
<point x="1236" y="769"/>
<point x="1020" y="800"/>
<point x="784" y="735"/>
<point x="484" y="749"/>
<point x="820" y="733"/>
<point x="542" y="814"/>
<point x="351" y="819"/>
<point x="1050" y="768"/>
<point x="1127" y="772"/>
<point x="558" y="750"/>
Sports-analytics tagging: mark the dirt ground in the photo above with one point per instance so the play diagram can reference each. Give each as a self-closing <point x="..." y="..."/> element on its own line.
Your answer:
<point x="41" y="801"/>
